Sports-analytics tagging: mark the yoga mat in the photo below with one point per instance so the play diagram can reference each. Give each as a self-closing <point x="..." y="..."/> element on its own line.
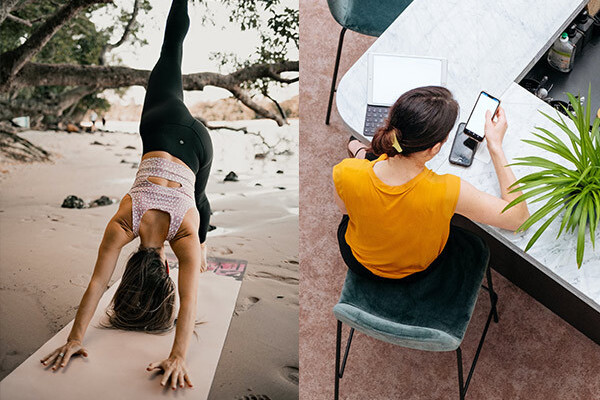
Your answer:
<point x="117" y="361"/>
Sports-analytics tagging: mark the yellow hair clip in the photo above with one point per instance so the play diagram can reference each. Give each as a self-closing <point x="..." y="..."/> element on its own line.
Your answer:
<point x="395" y="143"/>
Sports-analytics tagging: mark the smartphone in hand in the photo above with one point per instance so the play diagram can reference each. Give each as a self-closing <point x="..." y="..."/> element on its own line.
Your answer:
<point x="475" y="127"/>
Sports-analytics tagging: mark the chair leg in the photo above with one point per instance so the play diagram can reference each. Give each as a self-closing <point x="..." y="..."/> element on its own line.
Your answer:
<point x="460" y="373"/>
<point x="493" y="295"/>
<point x="338" y="345"/>
<point x="335" y="72"/>
<point x="339" y="371"/>
<point x="465" y="387"/>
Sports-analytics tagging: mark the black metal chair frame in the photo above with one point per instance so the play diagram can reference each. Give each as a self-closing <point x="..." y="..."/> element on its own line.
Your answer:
<point x="335" y="73"/>
<point x="462" y="386"/>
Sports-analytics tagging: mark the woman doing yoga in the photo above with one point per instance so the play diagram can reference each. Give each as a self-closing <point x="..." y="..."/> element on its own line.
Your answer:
<point x="166" y="202"/>
<point x="397" y="212"/>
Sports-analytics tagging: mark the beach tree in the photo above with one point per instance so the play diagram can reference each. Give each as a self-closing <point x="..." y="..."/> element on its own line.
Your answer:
<point x="54" y="61"/>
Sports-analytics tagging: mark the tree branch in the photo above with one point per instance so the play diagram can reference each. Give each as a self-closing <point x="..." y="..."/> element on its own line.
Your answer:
<point x="18" y="20"/>
<point x="110" y="77"/>
<point x="279" y="78"/>
<point x="242" y="96"/>
<point x="6" y="7"/>
<point x="281" y="112"/>
<point x="124" y="36"/>
<point x="13" y="61"/>
<point x="240" y="129"/>
<point x="95" y="78"/>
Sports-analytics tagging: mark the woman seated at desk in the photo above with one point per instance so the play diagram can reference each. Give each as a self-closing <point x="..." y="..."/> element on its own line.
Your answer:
<point x="397" y="212"/>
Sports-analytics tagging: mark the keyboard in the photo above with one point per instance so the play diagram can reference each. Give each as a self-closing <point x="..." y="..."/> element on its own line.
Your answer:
<point x="375" y="118"/>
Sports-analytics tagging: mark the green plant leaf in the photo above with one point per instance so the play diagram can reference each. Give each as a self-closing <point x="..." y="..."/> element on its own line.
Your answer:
<point x="588" y="106"/>
<point x="573" y="193"/>
<point x="581" y="235"/>
<point x="534" y="161"/>
<point x="566" y="218"/>
<point x="563" y="153"/>
<point x="526" y="196"/>
<point x="562" y="125"/>
<point x="583" y="174"/>
<point x="591" y="218"/>
<point x="551" y="181"/>
<point x="542" y="228"/>
<point x="542" y="212"/>
<point x="555" y="142"/>
<point x="562" y="192"/>
<point x="576" y="116"/>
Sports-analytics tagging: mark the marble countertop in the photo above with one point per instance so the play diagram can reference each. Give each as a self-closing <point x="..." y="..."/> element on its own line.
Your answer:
<point x="489" y="46"/>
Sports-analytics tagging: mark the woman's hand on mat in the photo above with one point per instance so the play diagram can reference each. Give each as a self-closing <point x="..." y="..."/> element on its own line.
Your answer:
<point x="495" y="130"/>
<point x="175" y="369"/>
<point x="61" y="356"/>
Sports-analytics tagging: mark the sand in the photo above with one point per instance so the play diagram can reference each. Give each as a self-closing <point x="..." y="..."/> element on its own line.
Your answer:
<point x="47" y="252"/>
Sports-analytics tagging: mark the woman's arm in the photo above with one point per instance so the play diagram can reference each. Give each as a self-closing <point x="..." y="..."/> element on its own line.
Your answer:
<point x="115" y="237"/>
<point x="189" y="254"/>
<point x="187" y="250"/>
<point x="483" y="207"/>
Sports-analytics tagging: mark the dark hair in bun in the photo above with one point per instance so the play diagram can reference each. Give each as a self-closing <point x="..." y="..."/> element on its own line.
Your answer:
<point x="420" y="118"/>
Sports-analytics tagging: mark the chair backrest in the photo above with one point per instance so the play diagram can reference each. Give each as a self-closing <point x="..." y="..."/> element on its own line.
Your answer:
<point x="369" y="17"/>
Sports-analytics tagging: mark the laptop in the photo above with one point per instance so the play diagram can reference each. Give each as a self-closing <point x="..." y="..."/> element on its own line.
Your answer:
<point x="390" y="76"/>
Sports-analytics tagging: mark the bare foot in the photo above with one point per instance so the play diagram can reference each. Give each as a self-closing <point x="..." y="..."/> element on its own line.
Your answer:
<point x="358" y="149"/>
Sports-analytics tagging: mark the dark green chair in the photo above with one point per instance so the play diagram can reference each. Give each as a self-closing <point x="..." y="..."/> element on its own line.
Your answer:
<point x="363" y="16"/>
<point x="431" y="313"/>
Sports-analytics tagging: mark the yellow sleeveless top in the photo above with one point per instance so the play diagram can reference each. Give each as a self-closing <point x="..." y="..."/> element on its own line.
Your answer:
<point x="395" y="231"/>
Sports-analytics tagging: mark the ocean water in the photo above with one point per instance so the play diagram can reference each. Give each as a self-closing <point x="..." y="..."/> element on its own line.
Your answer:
<point x="236" y="151"/>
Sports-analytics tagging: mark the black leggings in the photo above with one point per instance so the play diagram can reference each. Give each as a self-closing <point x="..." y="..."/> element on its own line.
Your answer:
<point x="355" y="266"/>
<point x="167" y="124"/>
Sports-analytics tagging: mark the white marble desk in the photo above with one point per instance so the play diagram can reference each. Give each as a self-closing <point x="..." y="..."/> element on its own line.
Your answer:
<point x="489" y="45"/>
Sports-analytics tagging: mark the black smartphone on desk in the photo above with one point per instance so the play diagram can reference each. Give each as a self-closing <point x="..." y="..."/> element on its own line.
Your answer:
<point x="463" y="147"/>
<point x="476" y="123"/>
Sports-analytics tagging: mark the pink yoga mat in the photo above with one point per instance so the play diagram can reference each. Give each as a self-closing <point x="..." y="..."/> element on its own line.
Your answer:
<point x="116" y="366"/>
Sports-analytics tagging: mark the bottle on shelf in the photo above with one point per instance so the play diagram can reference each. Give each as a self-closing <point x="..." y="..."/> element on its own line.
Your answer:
<point x="576" y="38"/>
<point x="562" y="54"/>
<point x="585" y="25"/>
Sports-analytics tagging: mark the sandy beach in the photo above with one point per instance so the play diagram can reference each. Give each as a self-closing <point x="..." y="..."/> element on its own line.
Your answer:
<point x="47" y="253"/>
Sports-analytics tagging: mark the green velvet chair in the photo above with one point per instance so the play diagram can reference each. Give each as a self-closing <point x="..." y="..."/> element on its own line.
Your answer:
<point x="431" y="313"/>
<point x="368" y="17"/>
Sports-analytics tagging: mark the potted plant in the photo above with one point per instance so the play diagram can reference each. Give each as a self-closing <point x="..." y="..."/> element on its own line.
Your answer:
<point x="572" y="186"/>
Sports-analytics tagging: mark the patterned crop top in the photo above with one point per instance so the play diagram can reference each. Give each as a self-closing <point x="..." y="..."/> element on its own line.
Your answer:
<point x="146" y="195"/>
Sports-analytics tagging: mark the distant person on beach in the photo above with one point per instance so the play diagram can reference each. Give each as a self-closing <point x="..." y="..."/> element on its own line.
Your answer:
<point x="103" y="122"/>
<point x="166" y="202"/>
<point x="93" y="118"/>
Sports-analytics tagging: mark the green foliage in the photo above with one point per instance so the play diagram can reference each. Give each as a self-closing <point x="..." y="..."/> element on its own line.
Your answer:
<point x="276" y="22"/>
<point x="79" y="42"/>
<point x="574" y="191"/>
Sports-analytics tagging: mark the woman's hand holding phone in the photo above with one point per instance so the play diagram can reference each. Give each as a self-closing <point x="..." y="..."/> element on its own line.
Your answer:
<point x="495" y="130"/>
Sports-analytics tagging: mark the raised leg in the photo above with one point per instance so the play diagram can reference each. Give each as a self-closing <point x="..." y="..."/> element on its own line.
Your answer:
<point x="165" y="83"/>
<point x="335" y="72"/>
